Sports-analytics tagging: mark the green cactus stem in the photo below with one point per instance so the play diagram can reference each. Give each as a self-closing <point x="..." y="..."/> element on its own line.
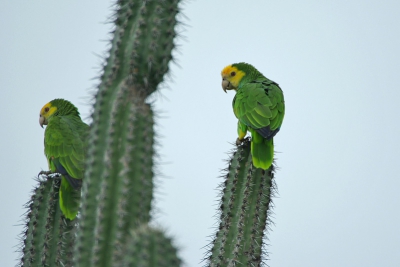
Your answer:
<point x="123" y="198"/>
<point x="141" y="45"/>
<point x="48" y="239"/>
<point x="118" y="184"/>
<point x="149" y="247"/>
<point x="244" y="212"/>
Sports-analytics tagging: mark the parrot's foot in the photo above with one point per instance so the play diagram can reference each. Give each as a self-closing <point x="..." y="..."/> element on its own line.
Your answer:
<point x="47" y="173"/>
<point x="239" y="141"/>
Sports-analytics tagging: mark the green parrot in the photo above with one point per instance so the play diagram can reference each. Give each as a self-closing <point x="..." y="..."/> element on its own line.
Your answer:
<point x="65" y="148"/>
<point x="259" y="107"/>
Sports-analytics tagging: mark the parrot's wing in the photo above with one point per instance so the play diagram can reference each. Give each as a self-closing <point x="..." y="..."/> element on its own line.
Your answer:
<point x="65" y="147"/>
<point x="275" y="94"/>
<point x="260" y="106"/>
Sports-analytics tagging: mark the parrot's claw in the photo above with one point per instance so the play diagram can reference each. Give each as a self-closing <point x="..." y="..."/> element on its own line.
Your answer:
<point x="47" y="173"/>
<point x="239" y="142"/>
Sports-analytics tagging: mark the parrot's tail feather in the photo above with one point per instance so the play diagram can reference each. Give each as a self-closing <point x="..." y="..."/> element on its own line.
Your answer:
<point x="267" y="133"/>
<point x="262" y="151"/>
<point x="69" y="199"/>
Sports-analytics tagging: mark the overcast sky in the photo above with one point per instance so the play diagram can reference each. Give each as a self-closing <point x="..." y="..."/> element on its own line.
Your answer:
<point x="338" y="63"/>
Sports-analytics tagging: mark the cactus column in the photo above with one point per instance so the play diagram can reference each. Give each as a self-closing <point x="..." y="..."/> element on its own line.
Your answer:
<point x="49" y="237"/>
<point x="118" y="185"/>
<point x="244" y="209"/>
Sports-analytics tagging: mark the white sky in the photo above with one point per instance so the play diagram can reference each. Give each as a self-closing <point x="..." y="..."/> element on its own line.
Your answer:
<point x="338" y="64"/>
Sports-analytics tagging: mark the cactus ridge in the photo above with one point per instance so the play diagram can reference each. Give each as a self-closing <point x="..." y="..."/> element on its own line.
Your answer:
<point x="244" y="211"/>
<point x="105" y="228"/>
<point x="36" y="224"/>
<point x="136" y="195"/>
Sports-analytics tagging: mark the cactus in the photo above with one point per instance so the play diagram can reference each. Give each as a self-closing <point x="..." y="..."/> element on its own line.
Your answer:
<point x="123" y="197"/>
<point x="244" y="212"/>
<point x="141" y="47"/>
<point x="149" y="247"/>
<point x="48" y="237"/>
<point x="118" y="186"/>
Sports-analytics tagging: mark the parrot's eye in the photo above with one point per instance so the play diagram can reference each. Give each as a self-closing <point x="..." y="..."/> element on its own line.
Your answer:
<point x="46" y="109"/>
<point x="233" y="73"/>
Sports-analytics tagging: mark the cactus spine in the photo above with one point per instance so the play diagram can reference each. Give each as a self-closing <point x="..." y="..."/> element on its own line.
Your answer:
<point x="49" y="237"/>
<point x="244" y="209"/>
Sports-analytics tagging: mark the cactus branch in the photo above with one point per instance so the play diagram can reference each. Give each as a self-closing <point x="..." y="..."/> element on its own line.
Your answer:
<point x="244" y="207"/>
<point x="48" y="238"/>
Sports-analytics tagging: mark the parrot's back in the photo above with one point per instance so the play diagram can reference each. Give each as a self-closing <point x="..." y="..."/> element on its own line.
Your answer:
<point x="259" y="104"/>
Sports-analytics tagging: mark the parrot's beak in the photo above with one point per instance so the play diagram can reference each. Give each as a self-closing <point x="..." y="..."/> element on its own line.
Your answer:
<point x="42" y="121"/>
<point x="226" y="85"/>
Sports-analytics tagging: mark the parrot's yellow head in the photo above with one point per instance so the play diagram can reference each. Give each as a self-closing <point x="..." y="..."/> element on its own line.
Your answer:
<point x="231" y="77"/>
<point x="57" y="107"/>
<point x="46" y="111"/>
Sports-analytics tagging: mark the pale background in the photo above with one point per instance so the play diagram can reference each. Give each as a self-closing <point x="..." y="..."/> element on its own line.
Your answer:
<point x="338" y="63"/>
